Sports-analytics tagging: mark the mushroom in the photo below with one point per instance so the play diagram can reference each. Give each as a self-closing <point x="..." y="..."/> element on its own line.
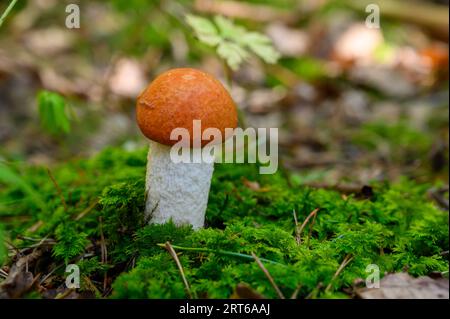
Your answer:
<point x="175" y="99"/>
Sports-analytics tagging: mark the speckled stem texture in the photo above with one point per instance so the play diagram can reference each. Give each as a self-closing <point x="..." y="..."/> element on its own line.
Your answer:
<point x="177" y="191"/>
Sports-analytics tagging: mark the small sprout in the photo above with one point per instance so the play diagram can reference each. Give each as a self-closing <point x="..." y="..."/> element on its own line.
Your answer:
<point x="54" y="113"/>
<point x="233" y="43"/>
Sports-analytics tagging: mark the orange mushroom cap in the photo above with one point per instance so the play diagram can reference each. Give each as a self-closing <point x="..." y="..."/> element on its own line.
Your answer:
<point x="178" y="97"/>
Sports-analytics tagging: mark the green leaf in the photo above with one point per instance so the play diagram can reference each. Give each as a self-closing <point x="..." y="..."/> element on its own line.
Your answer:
<point x="233" y="42"/>
<point x="204" y="29"/>
<point x="9" y="176"/>
<point x="228" y="30"/>
<point x="232" y="53"/>
<point x="261" y="46"/>
<point x="53" y="113"/>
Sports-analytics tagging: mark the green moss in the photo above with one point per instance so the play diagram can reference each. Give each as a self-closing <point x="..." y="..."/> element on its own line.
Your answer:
<point x="70" y="242"/>
<point x="399" y="142"/>
<point x="3" y="252"/>
<point x="397" y="229"/>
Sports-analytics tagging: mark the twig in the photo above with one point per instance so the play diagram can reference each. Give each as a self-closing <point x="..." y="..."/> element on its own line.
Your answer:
<point x="180" y="268"/>
<point x="3" y="273"/>
<point x="299" y="232"/>
<point x="7" y="11"/>
<point x="58" y="189"/>
<point x="344" y="263"/>
<point x="50" y="273"/>
<point x="311" y="225"/>
<point x="87" y="210"/>
<point x="314" y="292"/>
<point x="35" y="226"/>
<point x="104" y="254"/>
<point x="297" y="235"/>
<point x="296" y="291"/>
<point x="47" y="241"/>
<point x="34" y="239"/>
<point x="269" y="277"/>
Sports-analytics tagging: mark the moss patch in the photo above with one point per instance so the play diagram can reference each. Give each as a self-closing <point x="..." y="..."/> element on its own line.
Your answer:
<point x="397" y="228"/>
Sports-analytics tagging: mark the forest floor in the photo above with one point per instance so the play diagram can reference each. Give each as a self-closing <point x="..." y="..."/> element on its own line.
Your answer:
<point x="362" y="183"/>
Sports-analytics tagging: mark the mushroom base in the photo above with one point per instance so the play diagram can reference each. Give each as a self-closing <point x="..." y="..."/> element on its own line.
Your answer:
<point x="176" y="191"/>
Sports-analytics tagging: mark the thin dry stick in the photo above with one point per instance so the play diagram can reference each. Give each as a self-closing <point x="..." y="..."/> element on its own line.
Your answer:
<point x="313" y="292"/>
<point x="266" y="272"/>
<point x="50" y="273"/>
<point x="296" y="291"/>
<point x="297" y="236"/>
<point x="3" y="273"/>
<point x="180" y="268"/>
<point x="58" y="189"/>
<point x="104" y="253"/>
<point x="311" y="229"/>
<point x="344" y="263"/>
<point x="306" y="222"/>
<point x="87" y="210"/>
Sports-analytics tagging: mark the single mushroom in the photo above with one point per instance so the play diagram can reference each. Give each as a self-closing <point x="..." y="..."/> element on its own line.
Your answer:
<point x="179" y="191"/>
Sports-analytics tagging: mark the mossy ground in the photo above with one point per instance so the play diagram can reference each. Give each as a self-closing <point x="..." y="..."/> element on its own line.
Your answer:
<point x="395" y="227"/>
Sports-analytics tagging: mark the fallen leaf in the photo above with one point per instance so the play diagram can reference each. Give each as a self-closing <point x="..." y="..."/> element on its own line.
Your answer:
<point x="403" y="286"/>
<point x="244" y="291"/>
<point x="254" y="186"/>
<point x="19" y="280"/>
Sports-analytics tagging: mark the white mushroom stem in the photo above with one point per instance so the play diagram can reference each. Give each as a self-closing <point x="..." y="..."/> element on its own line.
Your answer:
<point x="177" y="191"/>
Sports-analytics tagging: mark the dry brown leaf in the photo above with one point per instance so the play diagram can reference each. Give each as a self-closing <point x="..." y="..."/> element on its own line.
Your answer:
<point x="403" y="286"/>
<point x="254" y="186"/>
<point x="244" y="291"/>
<point x="19" y="280"/>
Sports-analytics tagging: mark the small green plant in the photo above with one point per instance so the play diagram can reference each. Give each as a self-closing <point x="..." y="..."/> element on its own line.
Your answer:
<point x="54" y="113"/>
<point x="70" y="242"/>
<point x="3" y="252"/>
<point x="7" y="11"/>
<point x="233" y="43"/>
<point x="10" y="177"/>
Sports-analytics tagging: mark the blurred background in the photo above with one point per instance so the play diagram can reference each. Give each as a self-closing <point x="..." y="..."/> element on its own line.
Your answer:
<point x="353" y="104"/>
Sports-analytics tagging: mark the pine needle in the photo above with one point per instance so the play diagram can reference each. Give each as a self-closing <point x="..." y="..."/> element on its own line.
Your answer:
<point x="299" y="231"/>
<point x="58" y="189"/>
<point x="223" y="252"/>
<point x="344" y="263"/>
<point x="174" y="255"/>
<point x="269" y="277"/>
<point x="7" y="11"/>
